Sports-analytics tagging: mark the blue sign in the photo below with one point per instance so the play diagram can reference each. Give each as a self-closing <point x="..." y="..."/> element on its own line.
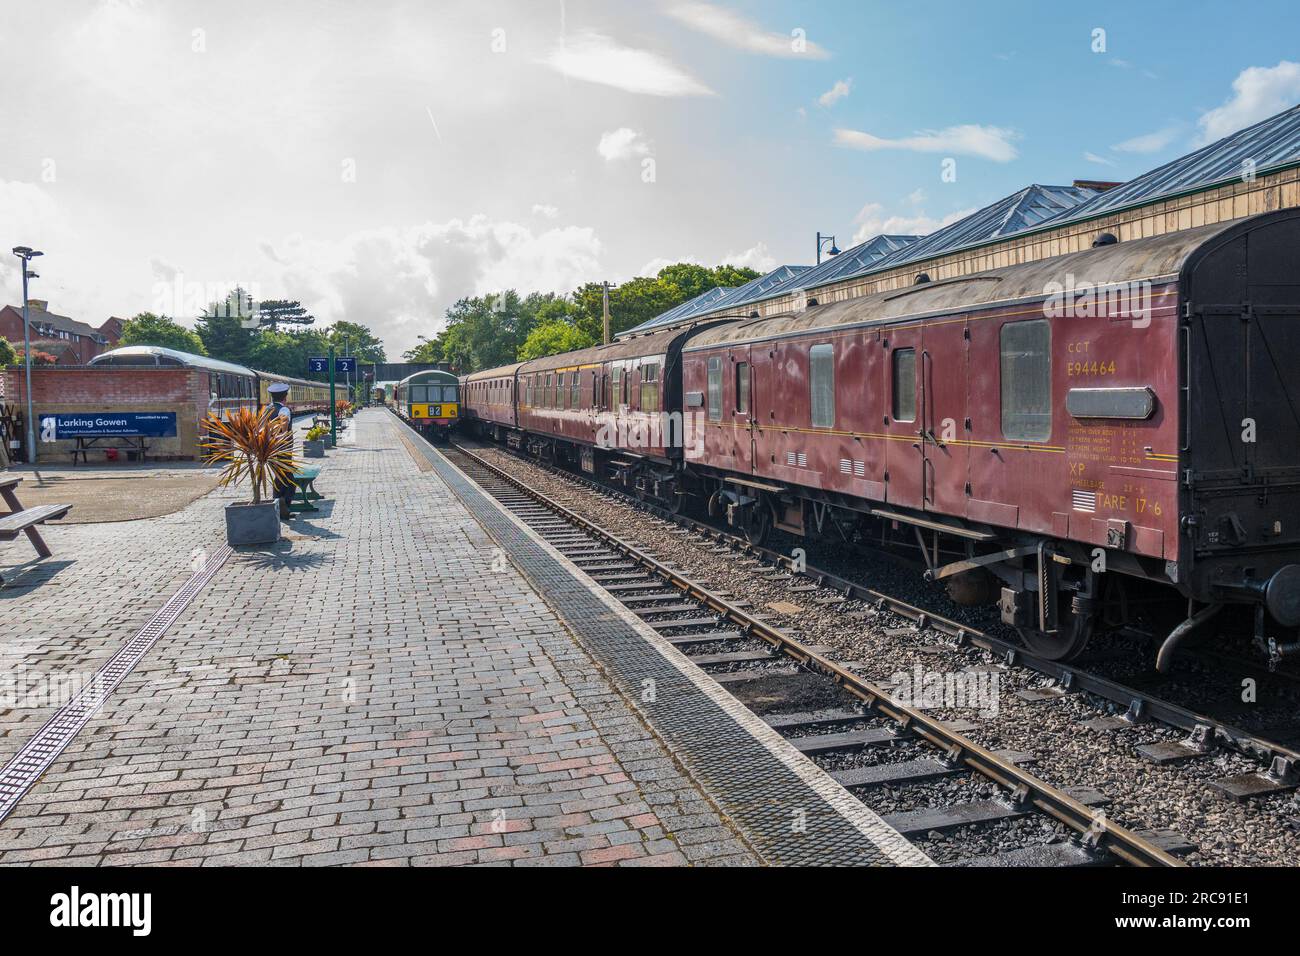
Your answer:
<point x="319" y="364"/>
<point x="135" y="424"/>
<point x="346" y="366"/>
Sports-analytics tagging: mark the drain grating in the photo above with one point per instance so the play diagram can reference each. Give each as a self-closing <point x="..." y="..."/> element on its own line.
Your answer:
<point x="35" y="757"/>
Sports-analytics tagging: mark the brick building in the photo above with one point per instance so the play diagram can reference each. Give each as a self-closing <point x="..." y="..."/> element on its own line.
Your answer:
<point x="88" y="391"/>
<point x="71" y="342"/>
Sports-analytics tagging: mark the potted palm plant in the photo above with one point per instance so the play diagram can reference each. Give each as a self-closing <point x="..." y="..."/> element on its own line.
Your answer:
<point x="256" y="446"/>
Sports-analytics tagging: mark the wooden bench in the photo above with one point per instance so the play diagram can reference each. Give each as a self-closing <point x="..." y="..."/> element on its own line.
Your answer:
<point x="304" y="479"/>
<point x="132" y="443"/>
<point x="20" y="520"/>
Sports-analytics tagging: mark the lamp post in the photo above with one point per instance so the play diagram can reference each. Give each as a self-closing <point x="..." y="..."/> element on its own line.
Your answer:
<point x="821" y="241"/>
<point x="25" y="255"/>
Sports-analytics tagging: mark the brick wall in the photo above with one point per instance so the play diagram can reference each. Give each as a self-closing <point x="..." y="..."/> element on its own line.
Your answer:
<point x="87" y="390"/>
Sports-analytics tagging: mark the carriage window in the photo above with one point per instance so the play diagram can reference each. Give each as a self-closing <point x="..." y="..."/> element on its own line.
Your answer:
<point x="449" y="393"/>
<point x="650" y="388"/>
<point x="904" y="400"/>
<point x="821" y="379"/>
<point x="1027" y="380"/>
<point x="742" y="388"/>
<point x="573" y="391"/>
<point x="417" y="393"/>
<point x="619" y="395"/>
<point x="715" y="389"/>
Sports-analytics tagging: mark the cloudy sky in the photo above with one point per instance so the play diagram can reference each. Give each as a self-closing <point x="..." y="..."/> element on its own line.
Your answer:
<point x="380" y="159"/>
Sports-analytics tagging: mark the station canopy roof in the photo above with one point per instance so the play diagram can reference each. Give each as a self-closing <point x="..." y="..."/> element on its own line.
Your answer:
<point x="1268" y="145"/>
<point x="721" y="298"/>
<point x="1018" y="212"/>
<point x="849" y="263"/>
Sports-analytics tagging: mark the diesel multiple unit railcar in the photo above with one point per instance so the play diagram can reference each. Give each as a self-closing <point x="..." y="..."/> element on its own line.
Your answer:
<point x="430" y="401"/>
<point x="1076" y="438"/>
<point x="229" y="385"/>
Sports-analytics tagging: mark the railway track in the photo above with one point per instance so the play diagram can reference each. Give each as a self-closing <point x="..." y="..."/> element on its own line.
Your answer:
<point x="1279" y="764"/>
<point x="874" y="744"/>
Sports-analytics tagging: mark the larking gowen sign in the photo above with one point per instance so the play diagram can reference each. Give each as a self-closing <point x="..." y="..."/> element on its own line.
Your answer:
<point x="134" y="424"/>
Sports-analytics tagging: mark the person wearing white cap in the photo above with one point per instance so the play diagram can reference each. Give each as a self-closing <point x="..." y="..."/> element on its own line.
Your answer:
<point x="279" y="392"/>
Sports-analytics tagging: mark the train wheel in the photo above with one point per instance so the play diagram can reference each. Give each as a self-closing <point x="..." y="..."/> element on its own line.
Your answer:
<point x="674" y="499"/>
<point x="759" y="524"/>
<point x="1066" y="644"/>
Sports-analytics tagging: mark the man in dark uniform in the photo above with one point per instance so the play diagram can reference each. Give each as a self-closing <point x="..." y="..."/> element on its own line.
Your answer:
<point x="279" y="392"/>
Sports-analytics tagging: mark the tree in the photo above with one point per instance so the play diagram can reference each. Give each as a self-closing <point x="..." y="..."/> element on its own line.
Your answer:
<point x="272" y="313"/>
<point x="286" y="353"/>
<point x="353" y="338"/>
<point x="552" y="338"/>
<point x="7" y="354"/>
<point x="149" y="329"/>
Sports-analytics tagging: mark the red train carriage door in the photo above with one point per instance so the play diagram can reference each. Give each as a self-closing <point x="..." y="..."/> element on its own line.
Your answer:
<point x="741" y="407"/>
<point x="905" y="468"/>
<point x="943" y="372"/>
<point x="762" y="413"/>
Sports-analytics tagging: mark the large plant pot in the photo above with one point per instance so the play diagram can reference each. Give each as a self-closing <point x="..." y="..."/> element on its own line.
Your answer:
<point x="314" y="449"/>
<point x="253" y="524"/>
<point x="329" y="441"/>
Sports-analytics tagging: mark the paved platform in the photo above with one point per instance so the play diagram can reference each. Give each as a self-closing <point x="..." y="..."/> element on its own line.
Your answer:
<point x="383" y="687"/>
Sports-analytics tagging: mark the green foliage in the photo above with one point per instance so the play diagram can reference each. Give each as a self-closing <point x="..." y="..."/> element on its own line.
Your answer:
<point x="357" y="340"/>
<point x="7" y="354"/>
<point x="642" y="298"/>
<point x="273" y="313"/>
<point x="225" y="338"/>
<point x="552" y="338"/>
<point x="160" y="330"/>
<point x="487" y="331"/>
<point x="286" y="353"/>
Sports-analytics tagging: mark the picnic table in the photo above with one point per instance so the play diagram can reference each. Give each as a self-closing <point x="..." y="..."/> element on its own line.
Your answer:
<point x="132" y="443"/>
<point x="19" y="520"/>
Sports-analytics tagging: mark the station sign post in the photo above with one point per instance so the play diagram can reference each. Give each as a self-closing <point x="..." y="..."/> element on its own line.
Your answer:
<point x="345" y="365"/>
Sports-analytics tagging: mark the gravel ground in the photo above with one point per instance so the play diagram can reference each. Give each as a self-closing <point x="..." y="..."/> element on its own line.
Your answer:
<point x="1142" y="795"/>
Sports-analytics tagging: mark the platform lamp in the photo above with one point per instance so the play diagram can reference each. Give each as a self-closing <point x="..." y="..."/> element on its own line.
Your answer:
<point x="26" y="254"/>
<point x="821" y="241"/>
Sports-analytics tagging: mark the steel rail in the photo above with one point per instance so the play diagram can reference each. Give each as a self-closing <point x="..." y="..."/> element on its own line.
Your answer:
<point x="1097" y="830"/>
<point x="1141" y="705"/>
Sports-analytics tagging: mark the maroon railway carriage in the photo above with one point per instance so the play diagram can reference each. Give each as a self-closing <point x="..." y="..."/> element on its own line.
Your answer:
<point x="488" y="400"/>
<point x="613" y="410"/>
<point x="1133" y="408"/>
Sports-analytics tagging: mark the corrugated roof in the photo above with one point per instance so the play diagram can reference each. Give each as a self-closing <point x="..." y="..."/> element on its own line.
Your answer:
<point x="1021" y="210"/>
<point x="1269" y="143"/>
<point x="690" y="307"/>
<point x="851" y="262"/>
<point x="760" y="288"/>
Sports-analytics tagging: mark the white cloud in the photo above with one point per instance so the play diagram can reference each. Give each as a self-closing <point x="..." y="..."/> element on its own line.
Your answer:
<point x="621" y="143"/>
<point x="401" y="281"/>
<point x="837" y="92"/>
<point x="737" y="31"/>
<point x="1101" y="160"/>
<point x="1258" y="92"/>
<point x="989" y="142"/>
<point x="755" y="257"/>
<point x="1148" y="142"/>
<point x="545" y="211"/>
<point x="872" y="221"/>
<point x="652" y="267"/>
<point x="600" y="59"/>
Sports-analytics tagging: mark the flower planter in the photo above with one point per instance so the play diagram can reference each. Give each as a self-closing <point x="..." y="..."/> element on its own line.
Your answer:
<point x="314" y="449"/>
<point x="253" y="524"/>
<point x="329" y="442"/>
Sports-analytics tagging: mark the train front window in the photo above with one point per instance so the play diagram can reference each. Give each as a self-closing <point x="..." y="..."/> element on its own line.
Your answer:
<point x="1026" y="368"/>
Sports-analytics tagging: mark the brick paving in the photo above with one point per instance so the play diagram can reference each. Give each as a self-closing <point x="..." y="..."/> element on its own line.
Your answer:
<point x="382" y="688"/>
